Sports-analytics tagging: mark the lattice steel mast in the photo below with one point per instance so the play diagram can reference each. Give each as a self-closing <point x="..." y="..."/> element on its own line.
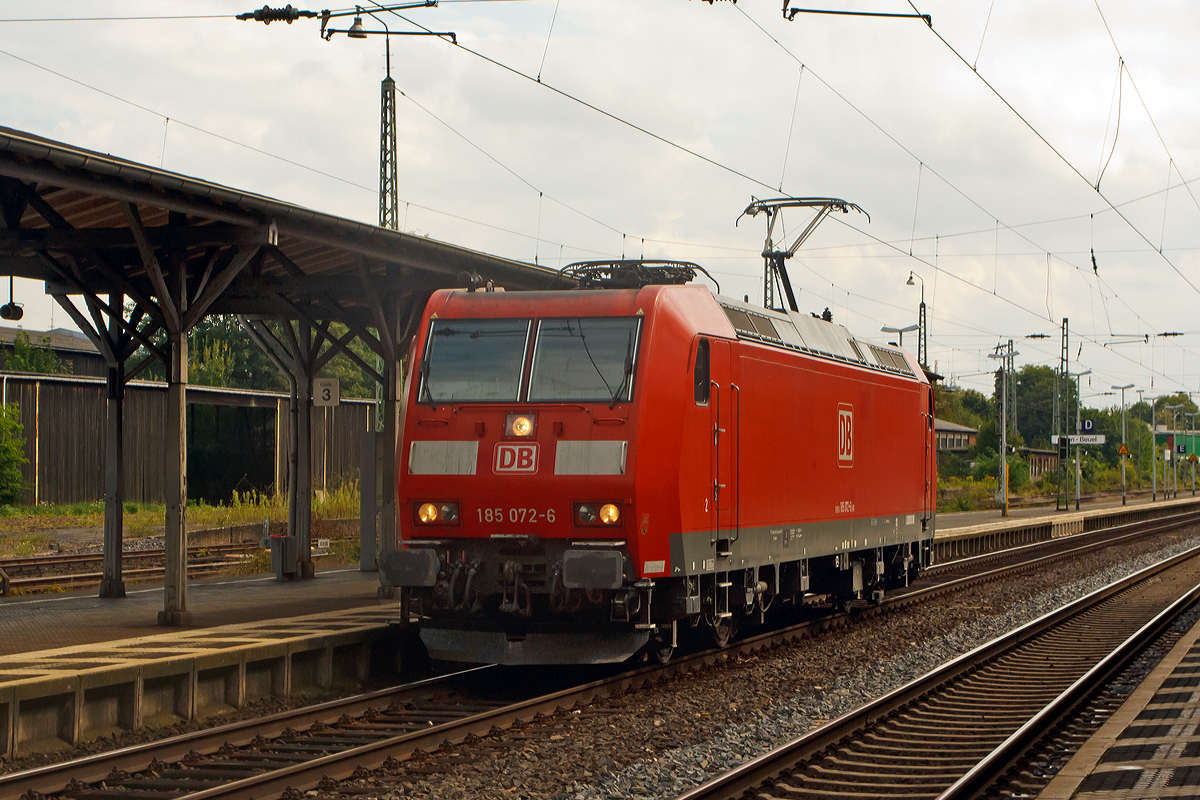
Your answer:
<point x="389" y="199"/>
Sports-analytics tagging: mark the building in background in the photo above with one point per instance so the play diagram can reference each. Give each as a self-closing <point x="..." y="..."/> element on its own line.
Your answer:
<point x="75" y="352"/>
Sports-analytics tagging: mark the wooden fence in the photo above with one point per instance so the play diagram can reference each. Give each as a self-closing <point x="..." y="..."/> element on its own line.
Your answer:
<point x="237" y="439"/>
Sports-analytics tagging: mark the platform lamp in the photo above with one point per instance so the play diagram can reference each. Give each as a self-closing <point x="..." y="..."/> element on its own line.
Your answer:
<point x="922" y="352"/>
<point x="1124" y="457"/>
<point x="901" y="331"/>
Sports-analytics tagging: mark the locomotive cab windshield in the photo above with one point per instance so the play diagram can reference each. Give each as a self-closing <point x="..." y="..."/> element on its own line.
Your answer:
<point x="574" y="360"/>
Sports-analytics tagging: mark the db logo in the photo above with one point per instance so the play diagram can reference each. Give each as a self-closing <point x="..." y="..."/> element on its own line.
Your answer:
<point x="516" y="458"/>
<point x="845" y="435"/>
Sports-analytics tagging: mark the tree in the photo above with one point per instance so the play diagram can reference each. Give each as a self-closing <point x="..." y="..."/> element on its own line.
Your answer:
<point x="220" y="353"/>
<point x="12" y="454"/>
<point x="962" y="406"/>
<point x="28" y="357"/>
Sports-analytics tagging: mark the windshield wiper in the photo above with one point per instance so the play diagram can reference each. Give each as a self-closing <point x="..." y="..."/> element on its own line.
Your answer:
<point x="423" y="387"/>
<point x="628" y="371"/>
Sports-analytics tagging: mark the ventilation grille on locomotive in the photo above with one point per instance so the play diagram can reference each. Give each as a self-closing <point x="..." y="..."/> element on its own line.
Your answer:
<point x="891" y="358"/>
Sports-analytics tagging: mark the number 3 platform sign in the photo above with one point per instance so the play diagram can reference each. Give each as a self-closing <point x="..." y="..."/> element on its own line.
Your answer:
<point x="326" y="392"/>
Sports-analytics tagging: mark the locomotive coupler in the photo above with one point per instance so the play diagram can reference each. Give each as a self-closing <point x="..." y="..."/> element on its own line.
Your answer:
<point x="511" y="574"/>
<point x="626" y="604"/>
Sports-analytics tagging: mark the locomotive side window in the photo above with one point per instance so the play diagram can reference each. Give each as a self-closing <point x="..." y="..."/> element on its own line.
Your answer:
<point x="584" y="359"/>
<point x="701" y="373"/>
<point x="474" y="360"/>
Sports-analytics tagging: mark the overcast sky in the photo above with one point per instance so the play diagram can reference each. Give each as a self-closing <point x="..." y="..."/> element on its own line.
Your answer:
<point x="995" y="208"/>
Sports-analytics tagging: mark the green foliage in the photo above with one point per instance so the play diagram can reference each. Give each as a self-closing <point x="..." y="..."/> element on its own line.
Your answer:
<point x="953" y="466"/>
<point x="221" y="353"/>
<point x="962" y="406"/>
<point x="1035" y="404"/>
<point x="966" y="494"/>
<point x="212" y="365"/>
<point x="12" y="454"/>
<point x="29" y="357"/>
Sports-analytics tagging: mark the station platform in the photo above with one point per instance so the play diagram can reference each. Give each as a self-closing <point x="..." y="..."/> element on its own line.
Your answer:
<point x="1150" y="747"/>
<point x="74" y="667"/>
<point x="50" y="621"/>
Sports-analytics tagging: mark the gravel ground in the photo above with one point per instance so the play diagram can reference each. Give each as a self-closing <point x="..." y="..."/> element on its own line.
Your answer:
<point x="662" y="740"/>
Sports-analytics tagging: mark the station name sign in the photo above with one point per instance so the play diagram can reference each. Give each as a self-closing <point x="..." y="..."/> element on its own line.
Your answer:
<point x="1087" y="438"/>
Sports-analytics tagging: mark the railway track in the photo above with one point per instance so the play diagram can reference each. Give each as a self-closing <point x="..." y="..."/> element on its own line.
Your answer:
<point x="77" y="570"/>
<point x="318" y="746"/>
<point x="952" y="734"/>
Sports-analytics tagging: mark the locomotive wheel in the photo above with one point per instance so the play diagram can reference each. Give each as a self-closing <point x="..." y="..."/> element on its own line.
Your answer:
<point x="722" y="631"/>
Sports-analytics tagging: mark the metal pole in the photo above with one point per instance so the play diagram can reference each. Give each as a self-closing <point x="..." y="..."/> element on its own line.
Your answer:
<point x="1192" y="444"/>
<point x="1078" y="467"/>
<point x="1124" y="457"/>
<point x="1004" y="438"/>
<point x="1175" y="450"/>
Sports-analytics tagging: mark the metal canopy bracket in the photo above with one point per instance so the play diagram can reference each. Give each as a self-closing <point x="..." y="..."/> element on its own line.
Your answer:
<point x="775" y="255"/>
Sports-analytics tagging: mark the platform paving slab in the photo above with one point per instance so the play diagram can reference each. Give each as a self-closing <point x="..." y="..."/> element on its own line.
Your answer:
<point x="1150" y="747"/>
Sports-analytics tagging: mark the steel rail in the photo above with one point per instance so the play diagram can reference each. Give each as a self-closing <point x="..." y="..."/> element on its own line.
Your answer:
<point x="19" y="563"/>
<point x="339" y="766"/>
<point x="53" y="777"/>
<point x="996" y="763"/>
<point x="770" y="766"/>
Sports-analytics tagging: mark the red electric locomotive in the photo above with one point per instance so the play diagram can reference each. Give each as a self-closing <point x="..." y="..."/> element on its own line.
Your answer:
<point x="583" y="472"/>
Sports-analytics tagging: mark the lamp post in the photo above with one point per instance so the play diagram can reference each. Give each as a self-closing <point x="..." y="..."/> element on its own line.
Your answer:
<point x="389" y="203"/>
<point x="1078" y="470"/>
<point x="1125" y="455"/>
<point x="1154" y="452"/>
<point x="1006" y="354"/>
<point x="1174" y="456"/>
<point x="902" y="331"/>
<point x="922" y="352"/>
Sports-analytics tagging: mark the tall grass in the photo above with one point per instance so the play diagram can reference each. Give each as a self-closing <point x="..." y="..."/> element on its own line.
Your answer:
<point x="145" y="519"/>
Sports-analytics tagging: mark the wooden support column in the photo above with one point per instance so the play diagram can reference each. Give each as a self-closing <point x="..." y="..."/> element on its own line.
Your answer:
<point x="175" y="611"/>
<point x="386" y="458"/>
<point x="112" y="585"/>
<point x="303" y="458"/>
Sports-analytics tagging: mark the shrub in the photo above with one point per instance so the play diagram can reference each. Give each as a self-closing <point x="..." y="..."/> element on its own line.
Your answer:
<point x="12" y="454"/>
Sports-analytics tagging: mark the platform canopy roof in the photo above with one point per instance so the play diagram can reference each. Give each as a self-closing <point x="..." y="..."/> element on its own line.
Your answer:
<point x="94" y="225"/>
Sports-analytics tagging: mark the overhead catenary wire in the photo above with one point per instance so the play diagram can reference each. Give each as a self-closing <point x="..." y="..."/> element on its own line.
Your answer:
<point x="1060" y="155"/>
<point x="1110" y="205"/>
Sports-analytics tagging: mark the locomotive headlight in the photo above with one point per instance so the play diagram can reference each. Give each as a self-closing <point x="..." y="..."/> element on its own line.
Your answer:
<point x="597" y="514"/>
<point x="520" y="425"/>
<point x="437" y="513"/>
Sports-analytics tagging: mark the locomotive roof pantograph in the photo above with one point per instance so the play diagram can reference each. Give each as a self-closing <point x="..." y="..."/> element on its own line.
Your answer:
<point x="631" y="273"/>
<point x="775" y="255"/>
